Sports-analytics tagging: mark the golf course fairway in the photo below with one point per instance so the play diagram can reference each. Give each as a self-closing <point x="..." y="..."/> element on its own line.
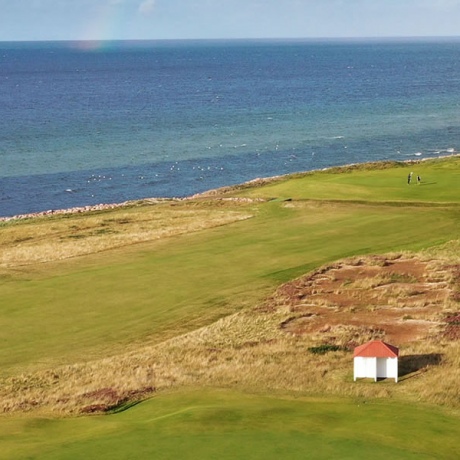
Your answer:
<point x="161" y="308"/>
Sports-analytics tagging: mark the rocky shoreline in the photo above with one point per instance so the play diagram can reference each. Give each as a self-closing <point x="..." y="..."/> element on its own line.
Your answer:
<point x="84" y="209"/>
<point x="52" y="212"/>
<point x="209" y="193"/>
<point x="108" y="206"/>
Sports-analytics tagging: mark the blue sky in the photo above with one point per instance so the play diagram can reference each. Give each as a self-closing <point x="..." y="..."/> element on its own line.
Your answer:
<point x="179" y="19"/>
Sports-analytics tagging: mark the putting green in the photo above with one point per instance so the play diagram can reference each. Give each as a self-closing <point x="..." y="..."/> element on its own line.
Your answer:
<point x="227" y="425"/>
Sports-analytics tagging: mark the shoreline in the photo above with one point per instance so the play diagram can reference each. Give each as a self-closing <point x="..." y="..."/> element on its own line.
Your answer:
<point x="84" y="209"/>
<point x="211" y="192"/>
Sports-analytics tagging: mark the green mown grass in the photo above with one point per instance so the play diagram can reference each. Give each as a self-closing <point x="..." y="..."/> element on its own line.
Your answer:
<point x="227" y="425"/>
<point x="440" y="179"/>
<point x="98" y="305"/>
<point x="104" y="303"/>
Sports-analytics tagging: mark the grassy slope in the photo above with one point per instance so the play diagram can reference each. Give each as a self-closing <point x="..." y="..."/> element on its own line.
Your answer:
<point x="71" y="311"/>
<point x="152" y="293"/>
<point x="227" y="425"/>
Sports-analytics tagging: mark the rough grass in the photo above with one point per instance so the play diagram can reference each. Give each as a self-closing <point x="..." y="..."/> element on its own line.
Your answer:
<point x="99" y="330"/>
<point x="184" y="309"/>
<point x="98" y="305"/>
<point x="257" y="350"/>
<point x="41" y="240"/>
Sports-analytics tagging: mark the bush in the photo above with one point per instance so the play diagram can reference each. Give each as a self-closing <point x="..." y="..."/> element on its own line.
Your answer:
<point x="323" y="349"/>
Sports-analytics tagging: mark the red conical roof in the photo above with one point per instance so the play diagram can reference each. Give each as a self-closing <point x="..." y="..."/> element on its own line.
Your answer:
<point x="376" y="349"/>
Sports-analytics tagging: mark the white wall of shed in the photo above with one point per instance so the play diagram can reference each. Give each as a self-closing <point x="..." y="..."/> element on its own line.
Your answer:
<point x="374" y="368"/>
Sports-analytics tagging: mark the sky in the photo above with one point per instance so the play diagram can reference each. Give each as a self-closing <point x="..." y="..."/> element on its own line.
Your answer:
<point x="210" y="19"/>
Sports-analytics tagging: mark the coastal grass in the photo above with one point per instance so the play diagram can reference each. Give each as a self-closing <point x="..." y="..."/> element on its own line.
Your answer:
<point x="177" y="309"/>
<point x="65" y="236"/>
<point x="197" y="260"/>
<point x="264" y="350"/>
<point x="209" y="424"/>
<point x="97" y="305"/>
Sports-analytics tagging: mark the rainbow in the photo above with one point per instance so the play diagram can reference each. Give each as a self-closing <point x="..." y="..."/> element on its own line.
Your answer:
<point x="103" y="26"/>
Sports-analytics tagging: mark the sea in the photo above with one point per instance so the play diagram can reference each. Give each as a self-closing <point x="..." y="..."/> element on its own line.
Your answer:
<point x="84" y="123"/>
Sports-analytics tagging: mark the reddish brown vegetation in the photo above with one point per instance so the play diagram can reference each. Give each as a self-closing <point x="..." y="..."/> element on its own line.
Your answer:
<point x="397" y="298"/>
<point x="109" y="399"/>
<point x="452" y="331"/>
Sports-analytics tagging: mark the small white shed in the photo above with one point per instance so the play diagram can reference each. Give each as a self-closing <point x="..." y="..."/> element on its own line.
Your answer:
<point x="376" y="359"/>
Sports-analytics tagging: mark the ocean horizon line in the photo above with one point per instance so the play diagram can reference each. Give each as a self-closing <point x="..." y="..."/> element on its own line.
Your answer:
<point x="220" y="40"/>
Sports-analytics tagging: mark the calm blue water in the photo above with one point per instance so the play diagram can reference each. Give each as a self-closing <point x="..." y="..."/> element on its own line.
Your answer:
<point x="131" y="120"/>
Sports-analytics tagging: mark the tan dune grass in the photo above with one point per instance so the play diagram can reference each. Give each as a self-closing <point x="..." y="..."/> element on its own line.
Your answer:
<point x="255" y="350"/>
<point x="55" y="238"/>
